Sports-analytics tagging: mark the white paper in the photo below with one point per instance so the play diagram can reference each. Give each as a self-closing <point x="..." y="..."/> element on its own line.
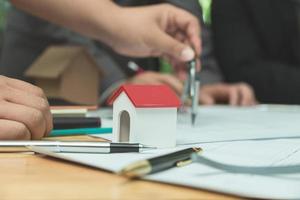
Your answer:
<point x="224" y="123"/>
<point x="111" y="162"/>
<point x="221" y="123"/>
<point x="258" y="136"/>
<point x="246" y="153"/>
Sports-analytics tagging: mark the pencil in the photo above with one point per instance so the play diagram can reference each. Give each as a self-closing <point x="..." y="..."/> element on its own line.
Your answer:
<point x="79" y="131"/>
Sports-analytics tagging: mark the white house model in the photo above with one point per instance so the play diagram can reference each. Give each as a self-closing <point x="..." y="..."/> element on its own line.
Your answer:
<point x="145" y="114"/>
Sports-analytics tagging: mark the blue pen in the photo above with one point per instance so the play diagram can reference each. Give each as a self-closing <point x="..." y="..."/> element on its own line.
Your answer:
<point x="79" y="131"/>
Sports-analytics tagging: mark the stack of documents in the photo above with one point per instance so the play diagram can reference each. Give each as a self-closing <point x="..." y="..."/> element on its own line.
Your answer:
<point x="260" y="136"/>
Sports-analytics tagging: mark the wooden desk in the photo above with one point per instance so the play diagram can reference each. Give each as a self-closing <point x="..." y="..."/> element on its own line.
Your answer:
<point x="31" y="176"/>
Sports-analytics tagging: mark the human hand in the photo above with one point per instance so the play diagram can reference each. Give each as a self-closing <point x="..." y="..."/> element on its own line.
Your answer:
<point x="240" y="94"/>
<point x="24" y="111"/>
<point x="145" y="31"/>
<point x="159" y="30"/>
<point x="155" y="78"/>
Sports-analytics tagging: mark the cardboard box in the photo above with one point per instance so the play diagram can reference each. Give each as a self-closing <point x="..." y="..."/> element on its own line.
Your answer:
<point x="68" y="73"/>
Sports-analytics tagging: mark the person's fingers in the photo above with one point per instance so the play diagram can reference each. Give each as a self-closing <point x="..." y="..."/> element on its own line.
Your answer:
<point x="214" y="93"/>
<point x="24" y="86"/>
<point x="155" y="78"/>
<point x="12" y="130"/>
<point x="190" y="25"/>
<point x="182" y="75"/>
<point x="171" y="81"/>
<point x="178" y="66"/>
<point x="198" y="65"/>
<point x="234" y="94"/>
<point x="219" y="91"/>
<point x="148" y="77"/>
<point x="31" y="117"/>
<point x="206" y="99"/>
<point x="170" y="46"/>
<point x="29" y="100"/>
<point x="234" y="97"/>
<point x="180" y="37"/>
<point x="247" y="95"/>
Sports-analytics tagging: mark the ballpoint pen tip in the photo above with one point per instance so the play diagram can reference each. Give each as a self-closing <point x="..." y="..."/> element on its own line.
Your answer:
<point x="193" y="119"/>
<point x="149" y="147"/>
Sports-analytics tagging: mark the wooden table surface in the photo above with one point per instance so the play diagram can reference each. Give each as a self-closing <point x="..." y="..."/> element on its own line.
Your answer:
<point x="25" y="175"/>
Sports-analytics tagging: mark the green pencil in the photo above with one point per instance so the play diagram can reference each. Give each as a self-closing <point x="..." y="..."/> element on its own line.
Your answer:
<point x="79" y="131"/>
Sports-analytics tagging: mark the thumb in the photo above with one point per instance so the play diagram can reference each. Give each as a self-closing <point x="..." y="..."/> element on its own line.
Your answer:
<point x="168" y="45"/>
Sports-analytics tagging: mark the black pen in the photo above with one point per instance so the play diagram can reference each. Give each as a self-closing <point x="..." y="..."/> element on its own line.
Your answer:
<point x="157" y="164"/>
<point x="76" y="122"/>
<point x="80" y="147"/>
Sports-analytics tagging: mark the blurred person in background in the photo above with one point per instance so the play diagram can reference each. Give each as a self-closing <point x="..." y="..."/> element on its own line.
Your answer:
<point x="29" y="36"/>
<point x="258" y="42"/>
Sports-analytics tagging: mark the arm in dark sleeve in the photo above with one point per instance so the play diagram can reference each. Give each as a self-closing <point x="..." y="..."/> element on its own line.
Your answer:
<point x="242" y="58"/>
<point x="210" y="72"/>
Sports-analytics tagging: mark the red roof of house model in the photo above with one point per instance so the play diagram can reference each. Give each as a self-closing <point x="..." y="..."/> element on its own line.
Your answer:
<point x="144" y="96"/>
